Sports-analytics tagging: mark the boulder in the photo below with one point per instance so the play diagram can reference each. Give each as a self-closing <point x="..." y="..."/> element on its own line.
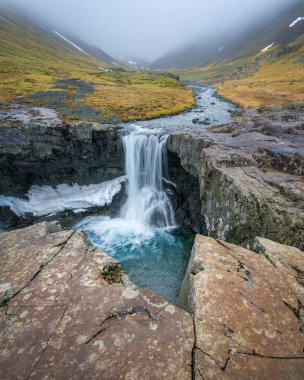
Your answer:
<point x="247" y="310"/>
<point x="68" y="311"/>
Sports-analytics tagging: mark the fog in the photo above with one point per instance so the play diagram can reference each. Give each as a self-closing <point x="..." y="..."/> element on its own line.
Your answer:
<point x="148" y="29"/>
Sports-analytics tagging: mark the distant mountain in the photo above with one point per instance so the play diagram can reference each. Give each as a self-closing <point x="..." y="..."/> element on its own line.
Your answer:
<point x="22" y="38"/>
<point x="282" y="29"/>
<point x="85" y="47"/>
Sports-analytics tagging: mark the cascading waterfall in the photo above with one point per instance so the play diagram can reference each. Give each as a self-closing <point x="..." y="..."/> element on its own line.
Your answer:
<point x="146" y="167"/>
<point x="143" y="237"/>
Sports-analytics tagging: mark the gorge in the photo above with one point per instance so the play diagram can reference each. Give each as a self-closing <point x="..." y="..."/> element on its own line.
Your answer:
<point x="231" y="182"/>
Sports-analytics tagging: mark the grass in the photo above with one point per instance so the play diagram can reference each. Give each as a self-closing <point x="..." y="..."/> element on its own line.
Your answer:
<point x="32" y="62"/>
<point x="276" y="82"/>
<point x="257" y="80"/>
<point x="136" y="96"/>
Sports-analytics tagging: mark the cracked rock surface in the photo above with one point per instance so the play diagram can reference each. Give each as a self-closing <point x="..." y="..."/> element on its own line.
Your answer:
<point x="250" y="176"/>
<point x="248" y="310"/>
<point x="69" y="311"/>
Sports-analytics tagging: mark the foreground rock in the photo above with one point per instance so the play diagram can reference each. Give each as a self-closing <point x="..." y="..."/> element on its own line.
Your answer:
<point x="248" y="310"/>
<point x="68" y="311"/>
<point x="250" y="175"/>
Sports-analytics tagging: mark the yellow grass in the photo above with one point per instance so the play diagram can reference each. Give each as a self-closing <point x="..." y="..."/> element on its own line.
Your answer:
<point x="31" y="63"/>
<point x="279" y="82"/>
<point x="257" y="80"/>
<point x="135" y="102"/>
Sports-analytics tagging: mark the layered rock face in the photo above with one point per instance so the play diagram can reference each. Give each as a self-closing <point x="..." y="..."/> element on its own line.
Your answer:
<point x="38" y="149"/>
<point x="250" y="176"/>
<point x="68" y="311"/>
<point x="248" y="310"/>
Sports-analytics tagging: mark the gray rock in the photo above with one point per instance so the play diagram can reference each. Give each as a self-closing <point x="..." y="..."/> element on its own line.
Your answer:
<point x="250" y="176"/>
<point x="42" y="152"/>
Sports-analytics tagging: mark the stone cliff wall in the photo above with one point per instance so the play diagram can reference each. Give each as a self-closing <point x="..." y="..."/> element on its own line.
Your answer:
<point x="39" y="154"/>
<point x="250" y="181"/>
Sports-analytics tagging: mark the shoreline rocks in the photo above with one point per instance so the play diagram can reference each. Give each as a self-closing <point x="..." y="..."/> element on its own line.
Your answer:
<point x="68" y="311"/>
<point x="233" y="182"/>
<point x="250" y="175"/>
<point x="247" y="309"/>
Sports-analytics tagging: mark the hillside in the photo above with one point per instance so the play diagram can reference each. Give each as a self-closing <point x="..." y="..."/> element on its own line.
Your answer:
<point x="47" y="67"/>
<point x="235" y="43"/>
<point x="266" y="70"/>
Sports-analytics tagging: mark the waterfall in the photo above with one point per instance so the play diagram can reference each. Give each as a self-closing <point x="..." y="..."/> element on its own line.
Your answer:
<point x="146" y="167"/>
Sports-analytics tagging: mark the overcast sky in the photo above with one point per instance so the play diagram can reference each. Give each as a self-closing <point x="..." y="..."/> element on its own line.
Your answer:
<point x="148" y="29"/>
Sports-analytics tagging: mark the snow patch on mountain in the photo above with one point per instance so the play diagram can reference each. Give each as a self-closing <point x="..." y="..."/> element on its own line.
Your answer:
<point x="267" y="47"/>
<point x="70" y="42"/>
<point x="296" y="21"/>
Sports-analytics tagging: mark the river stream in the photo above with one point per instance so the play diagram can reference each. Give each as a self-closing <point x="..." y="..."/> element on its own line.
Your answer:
<point x="145" y="238"/>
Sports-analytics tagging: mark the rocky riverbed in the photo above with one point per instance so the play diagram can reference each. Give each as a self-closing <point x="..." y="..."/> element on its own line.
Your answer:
<point x="233" y="182"/>
<point x="239" y="183"/>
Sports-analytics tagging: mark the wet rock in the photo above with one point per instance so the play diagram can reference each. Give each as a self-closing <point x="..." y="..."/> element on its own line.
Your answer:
<point x="244" y="311"/>
<point x="250" y="176"/>
<point x="68" y="311"/>
<point x="44" y="151"/>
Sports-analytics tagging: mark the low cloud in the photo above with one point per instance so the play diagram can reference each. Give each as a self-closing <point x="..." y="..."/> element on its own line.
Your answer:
<point x="149" y="29"/>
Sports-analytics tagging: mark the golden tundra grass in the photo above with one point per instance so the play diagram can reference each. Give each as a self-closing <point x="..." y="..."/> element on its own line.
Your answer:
<point x="32" y="63"/>
<point x="256" y="80"/>
<point x="135" y="96"/>
<point x="280" y="82"/>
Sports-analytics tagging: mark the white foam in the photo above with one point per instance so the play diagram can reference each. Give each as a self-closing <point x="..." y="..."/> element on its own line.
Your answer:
<point x="119" y="233"/>
<point x="45" y="200"/>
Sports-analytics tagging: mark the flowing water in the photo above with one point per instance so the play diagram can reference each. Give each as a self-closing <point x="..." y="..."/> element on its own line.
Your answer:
<point x="144" y="238"/>
<point x="209" y="110"/>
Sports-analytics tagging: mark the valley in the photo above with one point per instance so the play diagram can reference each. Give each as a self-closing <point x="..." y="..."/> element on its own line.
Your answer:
<point x="152" y="210"/>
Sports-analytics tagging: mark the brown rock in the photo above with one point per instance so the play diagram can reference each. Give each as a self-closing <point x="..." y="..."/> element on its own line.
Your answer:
<point x="70" y="312"/>
<point x="246" y="311"/>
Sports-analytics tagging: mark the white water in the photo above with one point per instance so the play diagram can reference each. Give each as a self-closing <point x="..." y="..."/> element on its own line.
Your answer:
<point x="148" y="211"/>
<point x="146" y="160"/>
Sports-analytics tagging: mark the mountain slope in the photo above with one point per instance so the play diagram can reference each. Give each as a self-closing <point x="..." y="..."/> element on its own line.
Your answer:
<point x="229" y="46"/>
<point x="47" y="67"/>
<point x="261" y="70"/>
<point x="31" y="57"/>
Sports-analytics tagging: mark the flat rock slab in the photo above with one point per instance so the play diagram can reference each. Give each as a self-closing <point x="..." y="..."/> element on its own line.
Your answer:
<point x="248" y="310"/>
<point x="69" y="311"/>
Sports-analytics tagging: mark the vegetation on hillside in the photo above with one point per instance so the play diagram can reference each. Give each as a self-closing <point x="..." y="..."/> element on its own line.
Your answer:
<point x="263" y="79"/>
<point x="33" y="62"/>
